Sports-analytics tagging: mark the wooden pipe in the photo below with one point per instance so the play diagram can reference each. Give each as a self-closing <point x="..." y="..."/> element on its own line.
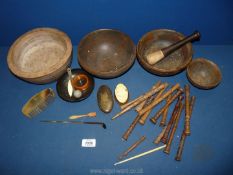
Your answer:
<point x="155" y="57"/>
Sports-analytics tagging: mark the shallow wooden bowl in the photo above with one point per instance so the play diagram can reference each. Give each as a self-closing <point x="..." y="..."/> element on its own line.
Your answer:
<point x="106" y="53"/>
<point x="40" y="56"/>
<point x="203" y="73"/>
<point x="158" y="39"/>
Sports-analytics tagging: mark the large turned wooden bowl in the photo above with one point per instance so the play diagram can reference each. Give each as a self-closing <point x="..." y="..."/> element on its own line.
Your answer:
<point x="106" y="53"/>
<point x="40" y="56"/>
<point x="158" y="39"/>
<point x="204" y="73"/>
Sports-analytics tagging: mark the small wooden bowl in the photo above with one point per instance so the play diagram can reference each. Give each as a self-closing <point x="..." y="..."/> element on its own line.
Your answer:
<point x="203" y="73"/>
<point x="40" y="56"/>
<point x="158" y="39"/>
<point x="106" y="53"/>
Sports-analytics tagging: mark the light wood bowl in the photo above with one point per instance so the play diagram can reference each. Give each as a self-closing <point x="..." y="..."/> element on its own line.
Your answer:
<point x="40" y="56"/>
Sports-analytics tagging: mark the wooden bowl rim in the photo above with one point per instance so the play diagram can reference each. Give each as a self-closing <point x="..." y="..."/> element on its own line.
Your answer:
<point x="52" y="69"/>
<point x="206" y="61"/>
<point x="107" y="74"/>
<point x="157" y="71"/>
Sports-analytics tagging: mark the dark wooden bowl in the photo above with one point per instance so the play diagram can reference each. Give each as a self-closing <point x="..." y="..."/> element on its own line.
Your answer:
<point x="203" y="73"/>
<point x="106" y="53"/>
<point x="158" y="39"/>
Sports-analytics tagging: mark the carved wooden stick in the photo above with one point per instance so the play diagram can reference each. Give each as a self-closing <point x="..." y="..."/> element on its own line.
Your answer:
<point x="145" y="96"/>
<point x="158" y="114"/>
<point x="132" y="147"/>
<point x="169" y="142"/>
<point x="157" y="140"/>
<point x="131" y="102"/>
<point x="154" y="103"/>
<point x="142" y="104"/>
<point x="165" y="112"/>
<point x="172" y="119"/>
<point x="183" y="136"/>
<point x="143" y="118"/>
<point x="187" y="111"/>
<point x="131" y="127"/>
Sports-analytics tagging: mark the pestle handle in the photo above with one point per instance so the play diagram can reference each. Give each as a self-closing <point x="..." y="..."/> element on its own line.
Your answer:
<point x="168" y="50"/>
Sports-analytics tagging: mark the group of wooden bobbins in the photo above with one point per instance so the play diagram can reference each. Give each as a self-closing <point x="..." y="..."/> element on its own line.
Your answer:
<point x="145" y="103"/>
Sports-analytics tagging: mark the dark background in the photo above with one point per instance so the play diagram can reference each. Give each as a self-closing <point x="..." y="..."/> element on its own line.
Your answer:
<point x="135" y="17"/>
<point x="30" y="147"/>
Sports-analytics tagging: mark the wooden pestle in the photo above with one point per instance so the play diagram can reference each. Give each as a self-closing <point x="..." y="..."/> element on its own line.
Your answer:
<point x="155" y="57"/>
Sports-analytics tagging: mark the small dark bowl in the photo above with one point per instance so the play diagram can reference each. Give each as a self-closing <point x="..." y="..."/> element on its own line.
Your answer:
<point x="158" y="39"/>
<point x="204" y="74"/>
<point x="106" y="53"/>
<point x="62" y="86"/>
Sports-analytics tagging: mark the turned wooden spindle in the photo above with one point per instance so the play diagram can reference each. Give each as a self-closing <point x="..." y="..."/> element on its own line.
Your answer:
<point x="158" y="139"/>
<point x="144" y="117"/>
<point x="173" y="131"/>
<point x="158" y="114"/>
<point x="148" y="100"/>
<point x="172" y="119"/>
<point x="131" y="127"/>
<point x="165" y="112"/>
<point x="144" y="97"/>
<point x="132" y="147"/>
<point x="160" y="99"/>
<point x="183" y="136"/>
<point x="187" y="110"/>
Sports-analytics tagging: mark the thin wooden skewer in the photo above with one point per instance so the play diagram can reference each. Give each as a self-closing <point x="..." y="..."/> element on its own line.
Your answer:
<point x="183" y="136"/>
<point x="169" y="142"/>
<point x="145" y="96"/>
<point x="140" y="155"/>
<point x="154" y="103"/>
<point x="91" y="114"/>
<point x="132" y="147"/>
<point x="143" y="118"/>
